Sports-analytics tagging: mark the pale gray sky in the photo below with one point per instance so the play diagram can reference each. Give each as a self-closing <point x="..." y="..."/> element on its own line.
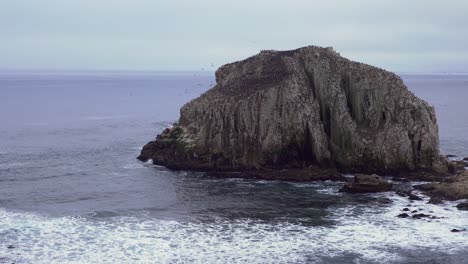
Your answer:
<point x="399" y="35"/>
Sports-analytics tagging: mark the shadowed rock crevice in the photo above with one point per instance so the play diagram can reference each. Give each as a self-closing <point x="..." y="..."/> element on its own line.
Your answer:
<point x="301" y="108"/>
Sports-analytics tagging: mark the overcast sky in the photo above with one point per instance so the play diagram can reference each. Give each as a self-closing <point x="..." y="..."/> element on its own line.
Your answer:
<point x="399" y="35"/>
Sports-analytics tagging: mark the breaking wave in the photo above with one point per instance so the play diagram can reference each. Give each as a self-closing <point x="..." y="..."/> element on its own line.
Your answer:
<point x="363" y="234"/>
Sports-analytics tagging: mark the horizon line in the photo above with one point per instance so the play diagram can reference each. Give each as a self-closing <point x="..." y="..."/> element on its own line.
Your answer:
<point x="202" y="71"/>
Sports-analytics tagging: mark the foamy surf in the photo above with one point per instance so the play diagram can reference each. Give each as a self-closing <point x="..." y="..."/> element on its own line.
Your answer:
<point x="362" y="232"/>
<point x="142" y="165"/>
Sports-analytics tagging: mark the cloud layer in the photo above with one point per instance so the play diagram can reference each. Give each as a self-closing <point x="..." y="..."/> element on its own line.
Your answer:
<point x="405" y="36"/>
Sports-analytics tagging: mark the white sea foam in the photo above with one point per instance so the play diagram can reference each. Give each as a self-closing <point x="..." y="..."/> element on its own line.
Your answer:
<point x="359" y="230"/>
<point x="132" y="166"/>
<point x="303" y="184"/>
<point x="371" y="228"/>
<point x="328" y="190"/>
<point x="142" y="165"/>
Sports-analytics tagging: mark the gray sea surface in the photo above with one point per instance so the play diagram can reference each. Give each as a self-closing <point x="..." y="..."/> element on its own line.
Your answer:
<point x="71" y="190"/>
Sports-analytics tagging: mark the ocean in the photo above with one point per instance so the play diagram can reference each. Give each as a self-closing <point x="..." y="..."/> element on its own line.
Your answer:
<point x="72" y="191"/>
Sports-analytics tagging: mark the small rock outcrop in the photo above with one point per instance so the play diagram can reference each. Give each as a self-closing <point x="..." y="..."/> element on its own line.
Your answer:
<point x="362" y="183"/>
<point x="462" y="206"/>
<point x="403" y="215"/>
<point x="302" y="108"/>
<point x="454" y="189"/>
<point x="458" y="165"/>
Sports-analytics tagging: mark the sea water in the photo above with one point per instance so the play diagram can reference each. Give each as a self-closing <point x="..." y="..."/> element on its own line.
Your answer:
<point x="71" y="190"/>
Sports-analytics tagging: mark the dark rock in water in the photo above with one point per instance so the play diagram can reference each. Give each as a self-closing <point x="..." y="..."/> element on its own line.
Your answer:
<point x="435" y="200"/>
<point x="462" y="206"/>
<point x="400" y="179"/>
<point x="455" y="189"/>
<point x="293" y="109"/>
<point x="384" y="201"/>
<point x="457" y="230"/>
<point x="419" y="216"/>
<point x="416" y="215"/>
<point x="10" y="246"/>
<point x="409" y="194"/>
<point x="402" y="193"/>
<point x="405" y="209"/>
<point x="465" y="159"/>
<point x="414" y="197"/>
<point x="362" y="183"/>
<point x="451" y="156"/>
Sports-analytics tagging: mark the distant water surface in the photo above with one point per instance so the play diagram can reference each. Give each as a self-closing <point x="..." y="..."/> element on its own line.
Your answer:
<point x="449" y="94"/>
<point x="71" y="189"/>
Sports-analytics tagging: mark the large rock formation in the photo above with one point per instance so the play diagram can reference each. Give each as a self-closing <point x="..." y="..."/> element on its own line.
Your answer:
<point x="294" y="109"/>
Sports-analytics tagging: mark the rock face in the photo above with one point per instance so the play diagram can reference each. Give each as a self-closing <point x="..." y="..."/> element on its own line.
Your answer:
<point x="367" y="184"/>
<point x="293" y="109"/>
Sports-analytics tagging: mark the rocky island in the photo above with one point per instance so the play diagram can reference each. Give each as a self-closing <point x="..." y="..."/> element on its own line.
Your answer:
<point x="308" y="109"/>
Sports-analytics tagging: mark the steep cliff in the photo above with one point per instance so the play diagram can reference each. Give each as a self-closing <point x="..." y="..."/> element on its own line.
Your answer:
<point x="294" y="109"/>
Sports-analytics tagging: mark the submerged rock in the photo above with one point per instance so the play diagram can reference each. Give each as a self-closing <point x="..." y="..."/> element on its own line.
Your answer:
<point x="435" y="200"/>
<point x="414" y="197"/>
<point x="384" y="200"/>
<point x="367" y="184"/>
<point x="408" y="193"/>
<point x="420" y="216"/>
<point x="293" y="109"/>
<point x="462" y="206"/>
<point x="402" y="193"/>
<point x="403" y="215"/>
